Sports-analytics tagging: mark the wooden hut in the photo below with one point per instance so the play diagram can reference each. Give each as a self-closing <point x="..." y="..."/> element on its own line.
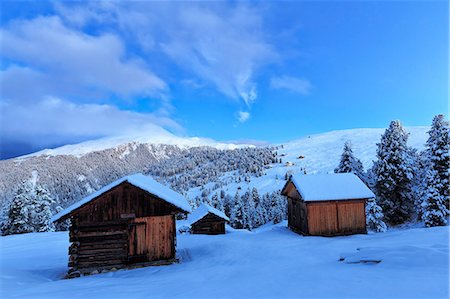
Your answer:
<point x="207" y="220"/>
<point x="127" y="223"/>
<point x="327" y="204"/>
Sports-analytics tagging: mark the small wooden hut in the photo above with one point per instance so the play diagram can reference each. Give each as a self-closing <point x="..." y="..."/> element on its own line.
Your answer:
<point x="207" y="220"/>
<point x="127" y="223"/>
<point x="327" y="204"/>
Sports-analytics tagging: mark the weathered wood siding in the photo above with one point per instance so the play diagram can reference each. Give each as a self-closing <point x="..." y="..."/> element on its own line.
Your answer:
<point x="351" y="217"/>
<point x="124" y="201"/>
<point x="209" y="225"/>
<point x="297" y="216"/>
<point x="151" y="239"/>
<point x="97" y="246"/>
<point x="322" y="218"/>
<point x="331" y="218"/>
<point x="122" y="226"/>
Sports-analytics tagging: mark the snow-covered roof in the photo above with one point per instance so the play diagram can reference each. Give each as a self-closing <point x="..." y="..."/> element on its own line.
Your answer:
<point x="336" y="186"/>
<point x="139" y="180"/>
<point x="202" y="211"/>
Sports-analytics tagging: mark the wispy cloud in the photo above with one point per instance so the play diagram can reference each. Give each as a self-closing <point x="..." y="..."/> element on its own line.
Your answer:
<point x="243" y="116"/>
<point x="54" y="60"/>
<point x="221" y="44"/>
<point x="298" y="85"/>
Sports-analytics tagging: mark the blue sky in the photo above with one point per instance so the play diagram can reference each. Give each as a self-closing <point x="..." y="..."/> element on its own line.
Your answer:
<point x="227" y="70"/>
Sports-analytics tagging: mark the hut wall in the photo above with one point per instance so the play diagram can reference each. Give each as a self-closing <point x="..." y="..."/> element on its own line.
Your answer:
<point x="330" y="218"/>
<point x="102" y="230"/>
<point x="97" y="246"/>
<point x="297" y="216"/>
<point x="151" y="239"/>
<point x="209" y="225"/>
<point x="122" y="202"/>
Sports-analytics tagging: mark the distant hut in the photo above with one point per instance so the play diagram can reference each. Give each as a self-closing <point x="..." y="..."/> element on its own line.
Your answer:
<point x="327" y="204"/>
<point x="127" y="223"/>
<point x="207" y="220"/>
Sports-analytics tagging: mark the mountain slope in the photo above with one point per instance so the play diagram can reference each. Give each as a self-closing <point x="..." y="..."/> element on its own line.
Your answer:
<point x="318" y="153"/>
<point x="71" y="172"/>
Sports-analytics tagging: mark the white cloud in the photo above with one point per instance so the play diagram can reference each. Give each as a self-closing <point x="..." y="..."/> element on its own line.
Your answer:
<point x="243" y="116"/>
<point x="53" y="120"/>
<point x="220" y="43"/>
<point x="298" y="85"/>
<point x="51" y="59"/>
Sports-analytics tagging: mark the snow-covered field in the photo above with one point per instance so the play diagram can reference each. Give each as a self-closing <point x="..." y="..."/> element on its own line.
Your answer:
<point x="271" y="262"/>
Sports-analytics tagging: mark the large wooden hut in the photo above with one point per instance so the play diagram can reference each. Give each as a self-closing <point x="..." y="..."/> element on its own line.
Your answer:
<point x="126" y="223"/>
<point x="207" y="220"/>
<point x="327" y="204"/>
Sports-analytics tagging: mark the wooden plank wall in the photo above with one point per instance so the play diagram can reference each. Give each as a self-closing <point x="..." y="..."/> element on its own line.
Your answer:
<point x="124" y="200"/>
<point x="336" y="217"/>
<point x="351" y="217"/>
<point x="152" y="238"/>
<point x="297" y="215"/>
<point x="322" y="218"/>
<point x="97" y="246"/>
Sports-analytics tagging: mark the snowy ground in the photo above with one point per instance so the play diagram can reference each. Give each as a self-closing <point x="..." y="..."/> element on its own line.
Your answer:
<point x="272" y="262"/>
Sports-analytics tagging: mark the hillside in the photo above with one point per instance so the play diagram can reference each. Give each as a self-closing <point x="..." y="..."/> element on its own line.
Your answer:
<point x="190" y="165"/>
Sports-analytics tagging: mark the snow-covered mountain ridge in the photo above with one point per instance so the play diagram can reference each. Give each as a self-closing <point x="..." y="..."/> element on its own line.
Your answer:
<point x="130" y="142"/>
<point x="191" y="166"/>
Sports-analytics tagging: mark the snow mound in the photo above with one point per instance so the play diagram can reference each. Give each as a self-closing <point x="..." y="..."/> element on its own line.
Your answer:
<point x="139" y="180"/>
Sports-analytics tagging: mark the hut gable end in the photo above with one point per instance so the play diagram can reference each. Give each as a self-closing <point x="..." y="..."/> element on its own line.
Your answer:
<point x="123" y="202"/>
<point x="145" y="184"/>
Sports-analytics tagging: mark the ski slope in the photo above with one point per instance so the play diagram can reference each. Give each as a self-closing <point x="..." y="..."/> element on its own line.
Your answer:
<point x="271" y="262"/>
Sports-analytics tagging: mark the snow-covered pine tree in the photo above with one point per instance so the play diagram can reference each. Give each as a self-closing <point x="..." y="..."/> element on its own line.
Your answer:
<point x="237" y="212"/>
<point x="349" y="163"/>
<point x="215" y="202"/>
<point x="227" y="205"/>
<point x="434" y="210"/>
<point x="266" y="206"/>
<point x="19" y="215"/>
<point x="392" y="175"/>
<point x="248" y="211"/>
<point x="375" y="216"/>
<point x="41" y="213"/>
<point x="437" y="148"/>
<point x="258" y="214"/>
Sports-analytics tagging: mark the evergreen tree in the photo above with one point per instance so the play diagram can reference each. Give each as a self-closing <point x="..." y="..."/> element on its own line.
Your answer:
<point x="279" y="209"/>
<point x="227" y="205"/>
<point x="375" y="216"/>
<point x="41" y="213"/>
<point x="258" y="214"/>
<point x="437" y="148"/>
<point x="237" y="212"/>
<point x="248" y="211"/>
<point x="434" y="209"/>
<point x="393" y="175"/>
<point x="349" y="163"/>
<point x="19" y="212"/>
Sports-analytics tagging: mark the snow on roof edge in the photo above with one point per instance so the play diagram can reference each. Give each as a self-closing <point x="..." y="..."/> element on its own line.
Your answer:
<point x="139" y="180"/>
<point x="202" y="211"/>
<point x="338" y="186"/>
